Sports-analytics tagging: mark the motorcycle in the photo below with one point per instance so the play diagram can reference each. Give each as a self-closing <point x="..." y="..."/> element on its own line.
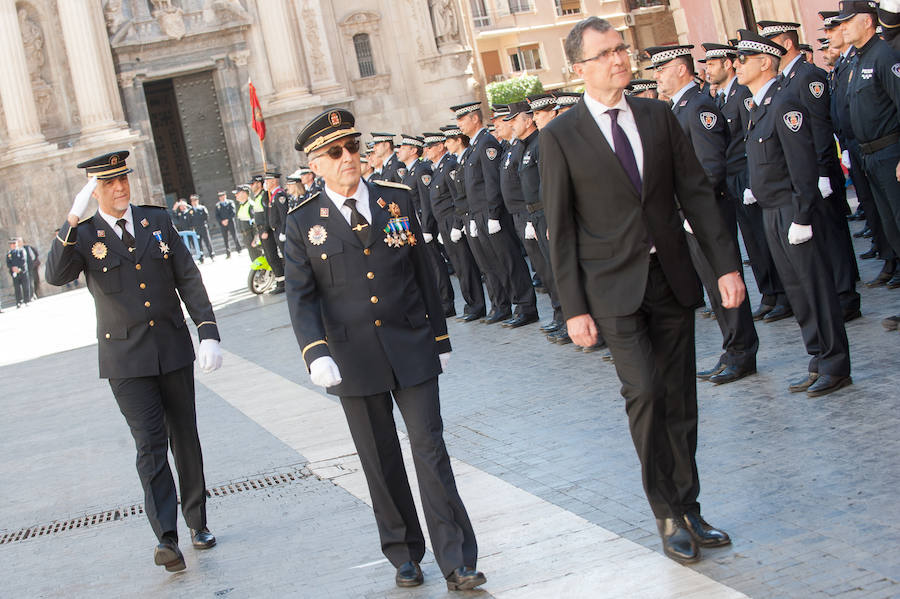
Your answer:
<point x="261" y="278"/>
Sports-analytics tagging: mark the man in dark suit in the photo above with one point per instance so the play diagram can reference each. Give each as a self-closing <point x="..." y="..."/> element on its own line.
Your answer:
<point x="17" y="264"/>
<point x="366" y="313"/>
<point x="707" y="131"/>
<point x="623" y="267"/>
<point x="139" y="272"/>
<point x="225" y="215"/>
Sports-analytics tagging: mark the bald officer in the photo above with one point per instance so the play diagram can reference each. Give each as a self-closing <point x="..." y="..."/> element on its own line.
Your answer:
<point x="139" y="272"/>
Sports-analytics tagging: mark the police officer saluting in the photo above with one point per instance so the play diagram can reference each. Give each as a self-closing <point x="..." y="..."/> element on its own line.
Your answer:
<point x="139" y="272"/>
<point x="780" y="135"/>
<point x="367" y="316"/>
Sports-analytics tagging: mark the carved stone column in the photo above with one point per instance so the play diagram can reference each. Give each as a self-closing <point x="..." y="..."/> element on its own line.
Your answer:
<point x="316" y="46"/>
<point x="22" y="123"/>
<point x="281" y="49"/>
<point x="90" y="75"/>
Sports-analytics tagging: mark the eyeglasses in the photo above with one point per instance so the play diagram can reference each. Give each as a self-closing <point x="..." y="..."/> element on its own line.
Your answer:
<point x="743" y="58"/>
<point x="335" y="152"/>
<point x="607" y="54"/>
<point x="663" y="67"/>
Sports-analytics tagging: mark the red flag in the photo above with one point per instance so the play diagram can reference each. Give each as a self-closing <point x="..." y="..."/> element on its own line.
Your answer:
<point x="258" y="123"/>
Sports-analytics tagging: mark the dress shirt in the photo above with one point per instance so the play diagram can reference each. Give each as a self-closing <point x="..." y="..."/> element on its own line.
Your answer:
<point x="111" y="221"/>
<point x="361" y="195"/>
<point x="787" y="70"/>
<point x="758" y="96"/>
<point x="728" y="88"/>
<point x="680" y="93"/>
<point x="625" y="120"/>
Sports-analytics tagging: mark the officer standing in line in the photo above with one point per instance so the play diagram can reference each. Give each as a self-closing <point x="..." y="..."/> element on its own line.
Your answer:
<point x="260" y="199"/>
<point x="874" y="92"/>
<point x="642" y="88"/>
<point x="245" y="220"/>
<point x="225" y="213"/>
<point x="706" y="130"/>
<point x="139" y="273"/>
<point x="293" y="188"/>
<point x="277" y="207"/>
<point x="809" y="86"/>
<point x="387" y="164"/>
<point x="417" y="174"/>
<point x="17" y="264"/>
<point x="199" y="218"/>
<point x="566" y="100"/>
<point x="439" y="214"/>
<point x="367" y="316"/>
<point x="489" y="219"/>
<point x="779" y="136"/>
<point x="734" y="104"/>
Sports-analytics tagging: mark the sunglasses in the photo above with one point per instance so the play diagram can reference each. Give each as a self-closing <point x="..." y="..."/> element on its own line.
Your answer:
<point x="743" y="58"/>
<point x="335" y="152"/>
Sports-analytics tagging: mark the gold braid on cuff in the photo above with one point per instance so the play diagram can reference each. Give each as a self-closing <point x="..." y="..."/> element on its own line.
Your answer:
<point x="311" y="345"/>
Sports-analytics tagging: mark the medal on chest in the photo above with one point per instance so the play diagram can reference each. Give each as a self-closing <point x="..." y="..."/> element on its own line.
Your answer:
<point x="163" y="246"/>
<point x="396" y="231"/>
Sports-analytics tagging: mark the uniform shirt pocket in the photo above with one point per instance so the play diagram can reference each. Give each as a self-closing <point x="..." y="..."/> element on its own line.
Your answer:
<point x="107" y="273"/>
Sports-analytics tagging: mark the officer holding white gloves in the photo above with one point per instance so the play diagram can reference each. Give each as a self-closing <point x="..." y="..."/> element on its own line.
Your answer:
<point x="139" y="272"/>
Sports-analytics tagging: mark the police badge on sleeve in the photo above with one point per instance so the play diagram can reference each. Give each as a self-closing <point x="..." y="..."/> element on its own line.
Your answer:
<point x="817" y="88"/>
<point x="491" y="153"/>
<point x="896" y="70"/>
<point x="793" y="120"/>
<point x="708" y="119"/>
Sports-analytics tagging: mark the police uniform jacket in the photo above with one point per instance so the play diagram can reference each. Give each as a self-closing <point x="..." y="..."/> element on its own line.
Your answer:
<point x="417" y="179"/>
<point x="389" y="171"/>
<point x="198" y="216"/>
<point x="181" y="219"/>
<point x="277" y="210"/>
<point x="482" y="176"/>
<point x="458" y="176"/>
<point x="17" y="258"/>
<point x="510" y="186"/>
<point x="372" y="307"/>
<point x="874" y="92"/>
<point x="441" y="194"/>
<point x="225" y="209"/>
<point x="809" y="86"/>
<point x="707" y="131"/>
<point x="736" y="111"/>
<point x="529" y="174"/>
<point x="141" y="329"/>
<point x="780" y="127"/>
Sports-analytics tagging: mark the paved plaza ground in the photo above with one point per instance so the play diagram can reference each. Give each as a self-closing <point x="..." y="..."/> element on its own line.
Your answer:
<point x="807" y="488"/>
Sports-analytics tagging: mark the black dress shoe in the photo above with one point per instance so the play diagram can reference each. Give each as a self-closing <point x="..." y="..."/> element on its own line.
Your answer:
<point x="861" y="233"/>
<point x="705" y="374"/>
<point x="551" y="326"/>
<point x="778" y="313"/>
<point x="891" y="323"/>
<point x="803" y="384"/>
<point x="409" y="575"/>
<point x="706" y="313"/>
<point x="450" y="313"/>
<point x="521" y="320"/>
<point x="279" y="288"/>
<point x="471" y="317"/>
<point x="761" y="311"/>
<point x="498" y="317"/>
<point x="601" y="343"/>
<point x="704" y="534"/>
<point x="540" y="289"/>
<point x="894" y="281"/>
<point x="852" y="315"/>
<point x="202" y="539"/>
<point x="868" y="233"/>
<point x="828" y="383"/>
<point x="465" y="578"/>
<point x="169" y="555"/>
<point x="858" y="215"/>
<point x="731" y="374"/>
<point x="872" y="253"/>
<point x="880" y="280"/>
<point x="678" y="544"/>
<point x="560" y="337"/>
<point x="607" y="357"/>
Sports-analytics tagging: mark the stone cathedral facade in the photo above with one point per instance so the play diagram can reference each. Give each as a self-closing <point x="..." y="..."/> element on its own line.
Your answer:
<point x="167" y="80"/>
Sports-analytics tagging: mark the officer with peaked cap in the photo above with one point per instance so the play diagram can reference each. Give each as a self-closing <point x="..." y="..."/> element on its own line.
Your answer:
<point x="139" y="272"/>
<point x="779" y="135"/>
<point x="543" y="108"/>
<point x="643" y="88"/>
<point x="367" y="316"/>
<point x="265" y="226"/>
<point x="565" y="100"/>
<point x="386" y="163"/>
<point x="225" y="214"/>
<point x="809" y="86"/>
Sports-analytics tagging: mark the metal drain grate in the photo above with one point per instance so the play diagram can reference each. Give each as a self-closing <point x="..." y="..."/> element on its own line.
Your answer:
<point x="120" y="513"/>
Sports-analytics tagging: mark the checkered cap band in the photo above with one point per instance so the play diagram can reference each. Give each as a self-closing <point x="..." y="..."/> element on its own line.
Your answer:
<point x="411" y="141"/>
<point x="776" y="29"/>
<point x="380" y="138"/>
<point x="642" y="87"/>
<point x="567" y="100"/>
<point x="541" y="103"/>
<point x="720" y="53"/>
<point x="466" y="110"/>
<point x="667" y="55"/>
<point x="433" y="139"/>
<point x="758" y="48"/>
<point x="453" y="132"/>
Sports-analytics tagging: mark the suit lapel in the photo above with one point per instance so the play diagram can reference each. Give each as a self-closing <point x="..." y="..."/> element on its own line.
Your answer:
<point x="111" y="239"/>
<point x="380" y="216"/>
<point x="337" y="225"/>
<point x="587" y="128"/>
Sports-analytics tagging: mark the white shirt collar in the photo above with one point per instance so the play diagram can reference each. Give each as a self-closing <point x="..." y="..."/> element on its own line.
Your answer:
<point x="361" y="195"/>
<point x="596" y="108"/>
<point x="758" y="96"/>
<point x="681" y="92"/>
<point x="111" y="220"/>
<point x="411" y="163"/>
<point x="787" y="70"/>
<point x="388" y="159"/>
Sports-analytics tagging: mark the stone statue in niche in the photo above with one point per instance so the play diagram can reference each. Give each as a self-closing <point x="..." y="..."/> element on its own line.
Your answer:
<point x="33" y="43"/>
<point x="224" y="10"/>
<point x="169" y="17"/>
<point x="116" y="25"/>
<point x="445" y="22"/>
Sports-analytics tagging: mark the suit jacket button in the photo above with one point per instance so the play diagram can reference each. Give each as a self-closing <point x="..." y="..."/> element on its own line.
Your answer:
<point x="143" y="285"/>
<point x="324" y="256"/>
<point x="146" y="304"/>
<point x="370" y="275"/>
<point x="367" y="251"/>
<point x="151" y="323"/>
<point x="377" y="324"/>
<point x="137" y="266"/>
<point x="374" y="299"/>
<point x="166" y="256"/>
<point x="107" y="335"/>
<point x="104" y="269"/>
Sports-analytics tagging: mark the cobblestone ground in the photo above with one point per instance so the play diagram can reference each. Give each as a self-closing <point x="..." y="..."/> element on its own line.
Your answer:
<point x="806" y="487"/>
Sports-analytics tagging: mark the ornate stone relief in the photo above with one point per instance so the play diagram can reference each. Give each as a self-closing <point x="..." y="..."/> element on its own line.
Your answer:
<point x="224" y="11"/>
<point x="170" y="18"/>
<point x="445" y="22"/>
<point x="35" y="58"/>
<point x="314" y="47"/>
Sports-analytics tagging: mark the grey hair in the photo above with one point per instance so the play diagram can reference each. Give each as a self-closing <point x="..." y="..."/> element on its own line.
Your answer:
<point x="574" y="45"/>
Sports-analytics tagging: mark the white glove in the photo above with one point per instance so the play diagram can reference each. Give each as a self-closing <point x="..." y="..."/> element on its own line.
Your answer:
<point x="445" y="359"/>
<point x="748" y="197"/>
<point x="455" y="235"/>
<point x="428" y="237"/>
<point x="80" y="203"/>
<point x="530" y="233"/>
<point x="493" y="226"/>
<point x="282" y="237"/>
<point x="473" y="229"/>
<point x="687" y="227"/>
<point x="324" y="372"/>
<point x="825" y="187"/>
<point x="798" y="234"/>
<point x="845" y="159"/>
<point x="209" y="357"/>
<point x="440" y="240"/>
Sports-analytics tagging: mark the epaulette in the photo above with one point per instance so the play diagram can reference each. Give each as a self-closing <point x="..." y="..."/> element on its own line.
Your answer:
<point x="154" y="206"/>
<point x="304" y="202"/>
<point x="392" y="184"/>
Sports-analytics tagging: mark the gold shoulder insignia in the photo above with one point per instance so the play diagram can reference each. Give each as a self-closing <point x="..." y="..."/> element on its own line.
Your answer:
<point x="304" y="202"/>
<point x="153" y="206"/>
<point x="392" y="184"/>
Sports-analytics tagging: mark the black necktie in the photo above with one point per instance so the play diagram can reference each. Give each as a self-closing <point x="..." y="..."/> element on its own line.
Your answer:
<point x="624" y="151"/>
<point x="127" y="238"/>
<point x="357" y="221"/>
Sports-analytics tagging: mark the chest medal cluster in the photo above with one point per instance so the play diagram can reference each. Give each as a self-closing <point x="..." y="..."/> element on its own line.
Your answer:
<point x="397" y="233"/>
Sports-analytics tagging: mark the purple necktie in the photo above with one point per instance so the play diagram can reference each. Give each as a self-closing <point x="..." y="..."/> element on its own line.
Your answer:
<point x="623" y="150"/>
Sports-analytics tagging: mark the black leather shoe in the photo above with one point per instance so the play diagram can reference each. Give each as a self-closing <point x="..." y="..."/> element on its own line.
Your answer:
<point x="894" y="281"/>
<point x="761" y="311"/>
<point x="601" y="343"/>
<point x="862" y="232"/>
<point x="704" y="534"/>
<point x="891" y="323"/>
<point x="279" y="288"/>
<point x="169" y="555"/>
<point x="852" y="315"/>
<point x="858" y="215"/>
<point x="553" y="325"/>
<point x="521" y="320"/>
<point x="465" y="578"/>
<point x="803" y="384"/>
<point x="868" y="233"/>
<point x="409" y="575"/>
<point x="202" y="539"/>
<point x="497" y="317"/>
<point x="705" y="374"/>
<point x="678" y="544"/>
<point x="828" y="383"/>
<point x="731" y="374"/>
<point x="881" y="280"/>
<point x="540" y="289"/>
<point x="560" y="337"/>
<point x="872" y="253"/>
<point x="778" y="313"/>
<point x="471" y="317"/>
<point x="450" y="313"/>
